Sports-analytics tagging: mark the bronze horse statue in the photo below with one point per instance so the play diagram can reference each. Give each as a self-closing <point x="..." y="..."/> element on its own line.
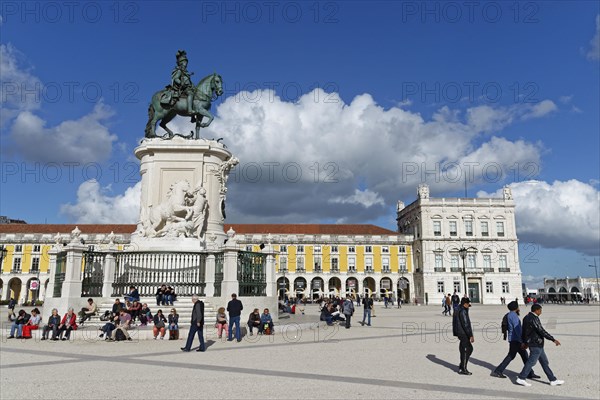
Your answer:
<point x="203" y="97"/>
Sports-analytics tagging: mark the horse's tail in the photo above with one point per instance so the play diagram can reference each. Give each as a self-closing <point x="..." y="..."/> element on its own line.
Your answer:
<point x="149" y="126"/>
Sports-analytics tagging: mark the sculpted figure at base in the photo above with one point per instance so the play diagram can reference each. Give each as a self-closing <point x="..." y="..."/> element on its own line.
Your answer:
<point x="184" y="213"/>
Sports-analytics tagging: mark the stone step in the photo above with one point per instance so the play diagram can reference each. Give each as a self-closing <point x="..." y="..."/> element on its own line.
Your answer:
<point x="183" y="305"/>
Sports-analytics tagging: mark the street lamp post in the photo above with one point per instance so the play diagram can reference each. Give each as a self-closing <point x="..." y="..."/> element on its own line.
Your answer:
<point x="463" y="254"/>
<point x="283" y="285"/>
<point x="597" y="283"/>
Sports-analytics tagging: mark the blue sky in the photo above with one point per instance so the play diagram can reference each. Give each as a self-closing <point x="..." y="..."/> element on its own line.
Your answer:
<point x="362" y="96"/>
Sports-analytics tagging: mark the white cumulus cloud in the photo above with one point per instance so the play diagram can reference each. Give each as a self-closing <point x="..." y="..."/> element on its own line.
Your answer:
<point x="87" y="139"/>
<point x="19" y="88"/>
<point x="594" y="51"/>
<point x="84" y="140"/>
<point x="562" y="214"/>
<point x="95" y="205"/>
<point x="366" y="198"/>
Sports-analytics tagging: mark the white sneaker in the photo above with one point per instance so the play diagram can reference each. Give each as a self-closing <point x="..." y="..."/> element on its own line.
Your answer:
<point x="557" y="382"/>
<point x="523" y="382"/>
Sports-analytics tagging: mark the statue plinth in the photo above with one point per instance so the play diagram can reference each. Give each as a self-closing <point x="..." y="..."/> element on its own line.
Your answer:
<point x="183" y="194"/>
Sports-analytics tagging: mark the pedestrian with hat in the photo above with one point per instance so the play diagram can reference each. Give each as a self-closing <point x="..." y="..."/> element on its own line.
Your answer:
<point x="461" y="328"/>
<point x="514" y="336"/>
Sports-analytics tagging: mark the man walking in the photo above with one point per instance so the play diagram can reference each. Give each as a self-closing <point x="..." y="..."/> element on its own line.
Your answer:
<point x="348" y="309"/>
<point x="234" y="307"/>
<point x="461" y="328"/>
<point x="533" y="336"/>
<point x="455" y="301"/>
<point x="514" y="336"/>
<point x="368" y="306"/>
<point x="197" y="325"/>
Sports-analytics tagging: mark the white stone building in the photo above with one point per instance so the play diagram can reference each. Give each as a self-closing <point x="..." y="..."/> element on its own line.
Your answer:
<point x="484" y="228"/>
<point x="567" y="289"/>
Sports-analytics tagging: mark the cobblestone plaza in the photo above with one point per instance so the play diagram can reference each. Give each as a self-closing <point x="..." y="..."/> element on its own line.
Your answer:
<point x="407" y="353"/>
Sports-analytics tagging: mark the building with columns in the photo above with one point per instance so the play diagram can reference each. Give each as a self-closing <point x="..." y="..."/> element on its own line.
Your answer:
<point x="310" y="260"/>
<point x="570" y="289"/>
<point x="458" y="240"/>
<point x="442" y="245"/>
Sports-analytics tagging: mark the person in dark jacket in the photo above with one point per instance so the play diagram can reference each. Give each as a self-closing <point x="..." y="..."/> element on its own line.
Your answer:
<point x="533" y="336"/>
<point x="17" y="325"/>
<point x="254" y="321"/>
<point x="197" y="325"/>
<point x="53" y="323"/>
<point x="133" y="295"/>
<point x="461" y="328"/>
<point x="234" y="307"/>
<point x="173" y="325"/>
<point x="160" y="295"/>
<point x="514" y="337"/>
<point x="368" y="307"/>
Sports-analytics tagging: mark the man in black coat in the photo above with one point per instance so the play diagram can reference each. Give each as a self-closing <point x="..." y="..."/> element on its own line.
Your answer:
<point x="533" y="336"/>
<point x="461" y="328"/>
<point x="197" y="325"/>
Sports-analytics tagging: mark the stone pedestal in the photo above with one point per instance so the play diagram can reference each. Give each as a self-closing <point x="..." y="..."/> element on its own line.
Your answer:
<point x="174" y="173"/>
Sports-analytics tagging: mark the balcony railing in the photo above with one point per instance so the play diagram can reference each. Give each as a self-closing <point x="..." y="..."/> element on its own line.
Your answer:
<point x="488" y="270"/>
<point x="335" y="270"/>
<point x="453" y="269"/>
<point x="503" y="269"/>
<point x="386" y="271"/>
<point x="439" y="269"/>
<point x="15" y="271"/>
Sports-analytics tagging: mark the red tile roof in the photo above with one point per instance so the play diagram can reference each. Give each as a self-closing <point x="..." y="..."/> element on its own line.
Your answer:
<point x="309" y="229"/>
<point x="298" y="229"/>
<point x="66" y="228"/>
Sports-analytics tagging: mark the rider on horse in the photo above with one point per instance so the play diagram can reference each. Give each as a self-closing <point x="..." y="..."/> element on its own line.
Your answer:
<point x="181" y="83"/>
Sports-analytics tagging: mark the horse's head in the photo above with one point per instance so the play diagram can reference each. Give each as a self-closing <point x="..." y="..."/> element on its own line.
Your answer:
<point x="177" y="188"/>
<point x="217" y="84"/>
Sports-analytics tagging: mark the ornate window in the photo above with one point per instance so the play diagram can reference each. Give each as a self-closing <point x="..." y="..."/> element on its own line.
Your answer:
<point x="453" y="228"/>
<point x="484" y="229"/>
<point x="440" y="287"/>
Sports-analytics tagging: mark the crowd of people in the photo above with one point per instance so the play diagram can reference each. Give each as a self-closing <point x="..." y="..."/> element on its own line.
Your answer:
<point x="529" y="334"/>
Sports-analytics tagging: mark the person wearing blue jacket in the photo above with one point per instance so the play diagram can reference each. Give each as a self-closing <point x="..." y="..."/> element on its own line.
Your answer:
<point x="513" y="336"/>
<point x="265" y="319"/>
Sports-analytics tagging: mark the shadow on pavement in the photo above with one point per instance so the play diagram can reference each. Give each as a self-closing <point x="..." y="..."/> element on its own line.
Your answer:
<point x="433" y="358"/>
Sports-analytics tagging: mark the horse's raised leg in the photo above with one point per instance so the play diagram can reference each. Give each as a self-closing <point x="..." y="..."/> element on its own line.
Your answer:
<point x="205" y="113"/>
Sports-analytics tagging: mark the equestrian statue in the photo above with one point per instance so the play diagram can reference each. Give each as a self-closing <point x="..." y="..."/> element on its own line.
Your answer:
<point x="181" y="97"/>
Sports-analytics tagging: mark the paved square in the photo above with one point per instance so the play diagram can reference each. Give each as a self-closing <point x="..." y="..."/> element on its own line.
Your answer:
<point x="407" y="353"/>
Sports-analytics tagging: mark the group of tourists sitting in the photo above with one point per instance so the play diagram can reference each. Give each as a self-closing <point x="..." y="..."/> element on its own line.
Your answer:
<point x="331" y="311"/>
<point x="263" y="323"/>
<point x="61" y="328"/>
<point x="165" y="295"/>
<point x="122" y="318"/>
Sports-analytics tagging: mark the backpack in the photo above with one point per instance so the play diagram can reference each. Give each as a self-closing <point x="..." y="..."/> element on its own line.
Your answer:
<point x="504" y="326"/>
<point x="120" y="335"/>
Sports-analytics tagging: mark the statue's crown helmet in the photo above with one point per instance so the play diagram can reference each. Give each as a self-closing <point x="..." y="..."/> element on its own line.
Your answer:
<point x="181" y="55"/>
